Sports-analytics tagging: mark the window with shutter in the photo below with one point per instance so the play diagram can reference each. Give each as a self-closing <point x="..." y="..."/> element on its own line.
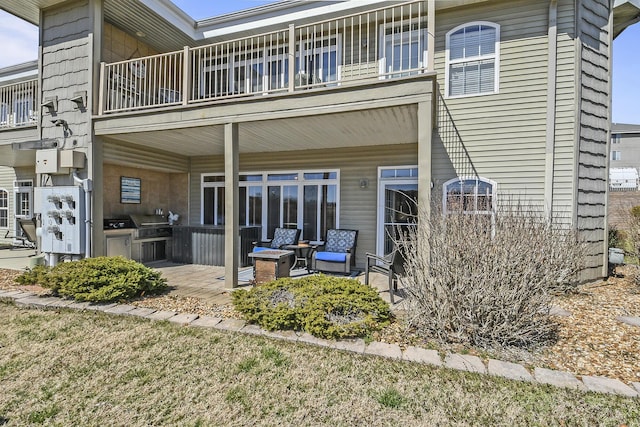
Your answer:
<point x="472" y="59"/>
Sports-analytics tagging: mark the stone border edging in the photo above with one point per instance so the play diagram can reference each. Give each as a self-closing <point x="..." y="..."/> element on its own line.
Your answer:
<point x="461" y="362"/>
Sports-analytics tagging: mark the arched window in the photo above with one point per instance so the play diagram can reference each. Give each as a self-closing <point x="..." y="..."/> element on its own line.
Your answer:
<point x="472" y="195"/>
<point x="4" y="208"/>
<point x="473" y="59"/>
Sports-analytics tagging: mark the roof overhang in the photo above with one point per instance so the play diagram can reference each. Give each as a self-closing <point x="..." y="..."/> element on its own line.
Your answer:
<point x="625" y="14"/>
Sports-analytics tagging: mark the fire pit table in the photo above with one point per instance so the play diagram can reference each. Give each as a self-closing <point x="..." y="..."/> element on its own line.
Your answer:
<point x="271" y="264"/>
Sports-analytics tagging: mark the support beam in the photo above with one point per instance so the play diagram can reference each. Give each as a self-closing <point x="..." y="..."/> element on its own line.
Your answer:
<point x="425" y="132"/>
<point x="231" y="205"/>
<point x="431" y="38"/>
<point x="551" y="109"/>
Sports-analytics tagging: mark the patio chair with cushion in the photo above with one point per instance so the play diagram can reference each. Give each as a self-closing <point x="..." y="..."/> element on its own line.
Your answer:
<point x="338" y="253"/>
<point x="281" y="237"/>
<point x="391" y="266"/>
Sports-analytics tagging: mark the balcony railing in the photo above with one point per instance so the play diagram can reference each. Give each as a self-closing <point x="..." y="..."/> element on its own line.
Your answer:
<point x="18" y="104"/>
<point x="377" y="44"/>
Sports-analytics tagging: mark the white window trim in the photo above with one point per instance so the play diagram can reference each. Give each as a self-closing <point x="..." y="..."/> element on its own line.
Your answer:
<point x="495" y="56"/>
<point x="492" y="183"/>
<point x="6" y="227"/>
<point x="265" y="183"/>
<point x="421" y="31"/>
<point x="616" y="155"/>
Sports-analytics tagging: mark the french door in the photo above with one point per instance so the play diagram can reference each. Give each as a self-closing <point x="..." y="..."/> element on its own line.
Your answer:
<point x="397" y="210"/>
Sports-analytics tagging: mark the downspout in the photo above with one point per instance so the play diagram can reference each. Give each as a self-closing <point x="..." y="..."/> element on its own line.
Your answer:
<point x="550" y="140"/>
<point x="87" y="186"/>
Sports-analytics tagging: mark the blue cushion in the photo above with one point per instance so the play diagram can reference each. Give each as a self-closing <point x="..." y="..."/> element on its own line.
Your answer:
<point x="331" y="256"/>
<point x="261" y="248"/>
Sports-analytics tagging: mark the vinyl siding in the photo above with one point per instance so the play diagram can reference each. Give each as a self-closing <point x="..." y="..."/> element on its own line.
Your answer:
<point x="358" y="207"/>
<point x="504" y="133"/>
<point x="7" y="176"/>
<point x="136" y="156"/>
<point x="594" y="114"/>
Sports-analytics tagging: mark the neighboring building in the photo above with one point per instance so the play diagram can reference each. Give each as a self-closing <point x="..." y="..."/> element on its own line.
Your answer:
<point x="309" y="114"/>
<point x="625" y="146"/>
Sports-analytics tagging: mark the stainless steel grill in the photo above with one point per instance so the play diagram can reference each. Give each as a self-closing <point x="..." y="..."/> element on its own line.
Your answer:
<point x="148" y="226"/>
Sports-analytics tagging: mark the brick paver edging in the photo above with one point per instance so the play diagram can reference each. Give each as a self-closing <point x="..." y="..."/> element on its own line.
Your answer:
<point x="462" y="362"/>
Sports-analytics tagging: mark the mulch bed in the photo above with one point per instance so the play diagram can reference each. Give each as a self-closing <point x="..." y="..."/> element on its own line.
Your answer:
<point x="591" y="341"/>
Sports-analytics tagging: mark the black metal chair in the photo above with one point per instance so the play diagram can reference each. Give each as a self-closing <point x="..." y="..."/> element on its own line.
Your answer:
<point x="391" y="266"/>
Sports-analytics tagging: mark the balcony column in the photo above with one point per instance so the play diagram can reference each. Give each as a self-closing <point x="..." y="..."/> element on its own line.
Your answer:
<point x="431" y="38"/>
<point x="425" y="132"/>
<point x="231" y="205"/>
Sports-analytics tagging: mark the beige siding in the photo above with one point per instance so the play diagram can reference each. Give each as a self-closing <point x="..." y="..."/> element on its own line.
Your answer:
<point x="357" y="206"/>
<point x="504" y="133"/>
<point x="143" y="157"/>
<point x="7" y="176"/>
<point x="119" y="46"/>
<point x="595" y="51"/>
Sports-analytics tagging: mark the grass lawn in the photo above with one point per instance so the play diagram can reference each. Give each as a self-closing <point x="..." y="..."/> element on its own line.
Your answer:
<point x="72" y="368"/>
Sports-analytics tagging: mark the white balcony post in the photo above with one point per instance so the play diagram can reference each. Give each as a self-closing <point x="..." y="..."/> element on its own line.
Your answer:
<point x="431" y="38"/>
<point x="101" y="95"/>
<point x="292" y="57"/>
<point x="231" y="205"/>
<point x="186" y="77"/>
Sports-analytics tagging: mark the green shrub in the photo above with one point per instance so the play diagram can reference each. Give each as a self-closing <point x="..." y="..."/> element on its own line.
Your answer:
<point x="324" y="306"/>
<point x="635" y="211"/>
<point x="101" y="279"/>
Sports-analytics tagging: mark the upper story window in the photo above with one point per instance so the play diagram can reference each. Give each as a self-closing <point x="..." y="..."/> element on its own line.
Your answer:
<point x="615" y="138"/>
<point x="4" y="208"/>
<point x="473" y="195"/>
<point x="615" y="155"/>
<point x="473" y="59"/>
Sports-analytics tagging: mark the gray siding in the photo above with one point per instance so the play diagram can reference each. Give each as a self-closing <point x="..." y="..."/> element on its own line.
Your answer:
<point x="594" y="115"/>
<point x="629" y="148"/>
<point x="66" y="69"/>
<point x="357" y="206"/>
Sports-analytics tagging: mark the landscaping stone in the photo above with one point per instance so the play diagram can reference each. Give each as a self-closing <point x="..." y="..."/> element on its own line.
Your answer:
<point x="161" y="315"/>
<point x="141" y="311"/>
<point x="183" y="318"/>
<point x="353" y="345"/>
<point x="206" y="321"/>
<point x="633" y="321"/>
<point x="557" y="378"/>
<point x="608" y="385"/>
<point x="421" y="355"/>
<point x="16" y="294"/>
<point x="282" y="335"/>
<point x="512" y="371"/>
<point x="79" y="305"/>
<point x="231" y="324"/>
<point x="101" y="307"/>
<point x="31" y="301"/>
<point x="61" y="303"/>
<point x="307" y="338"/>
<point x="119" y="309"/>
<point x="464" y="362"/>
<point x="391" y="351"/>
<point x="252" y="329"/>
<point x="636" y="386"/>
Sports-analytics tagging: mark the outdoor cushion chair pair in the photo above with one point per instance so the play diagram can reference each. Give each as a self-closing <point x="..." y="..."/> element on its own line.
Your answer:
<point x="281" y="237"/>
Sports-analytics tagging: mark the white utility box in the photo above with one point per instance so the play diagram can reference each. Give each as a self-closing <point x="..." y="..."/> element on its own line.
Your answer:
<point x="47" y="161"/>
<point x="63" y="219"/>
<point x="71" y="159"/>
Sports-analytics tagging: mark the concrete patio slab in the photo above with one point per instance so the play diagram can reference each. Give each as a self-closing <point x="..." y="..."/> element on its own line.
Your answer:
<point x="608" y="385"/>
<point x="465" y="362"/>
<point x="512" y="371"/>
<point x="557" y="378"/>
<point x="421" y="355"/>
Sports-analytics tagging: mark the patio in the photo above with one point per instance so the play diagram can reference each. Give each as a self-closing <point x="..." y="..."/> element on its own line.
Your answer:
<point x="191" y="280"/>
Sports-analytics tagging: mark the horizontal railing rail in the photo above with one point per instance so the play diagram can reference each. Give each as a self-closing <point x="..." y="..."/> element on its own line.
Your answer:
<point x="376" y="44"/>
<point x="18" y="104"/>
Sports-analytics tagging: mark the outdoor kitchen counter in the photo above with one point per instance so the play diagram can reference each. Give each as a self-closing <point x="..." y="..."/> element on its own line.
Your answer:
<point x="204" y="244"/>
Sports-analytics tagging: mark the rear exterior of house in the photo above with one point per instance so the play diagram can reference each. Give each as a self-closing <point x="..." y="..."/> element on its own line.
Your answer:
<point x="313" y="115"/>
<point x="625" y="146"/>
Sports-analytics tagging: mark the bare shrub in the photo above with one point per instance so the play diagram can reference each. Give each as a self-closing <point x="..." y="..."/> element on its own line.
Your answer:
<point x="488" y="281"/>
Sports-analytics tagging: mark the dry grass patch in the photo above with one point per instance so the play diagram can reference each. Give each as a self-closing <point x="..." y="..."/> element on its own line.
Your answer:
<point x="72" y="368"/>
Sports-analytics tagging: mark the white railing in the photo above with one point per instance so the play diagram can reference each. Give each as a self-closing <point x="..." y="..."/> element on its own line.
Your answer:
<point x="18" y="104"/>
<point x="373" y="45"/>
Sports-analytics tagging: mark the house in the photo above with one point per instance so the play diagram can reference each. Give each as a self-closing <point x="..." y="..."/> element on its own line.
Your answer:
<point x="302" y="114"/>
<point x="625" y="146"/>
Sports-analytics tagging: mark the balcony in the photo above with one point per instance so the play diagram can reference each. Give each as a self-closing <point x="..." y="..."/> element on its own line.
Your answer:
<point x="372" y="46"/>
<point x="18" y="103"/>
